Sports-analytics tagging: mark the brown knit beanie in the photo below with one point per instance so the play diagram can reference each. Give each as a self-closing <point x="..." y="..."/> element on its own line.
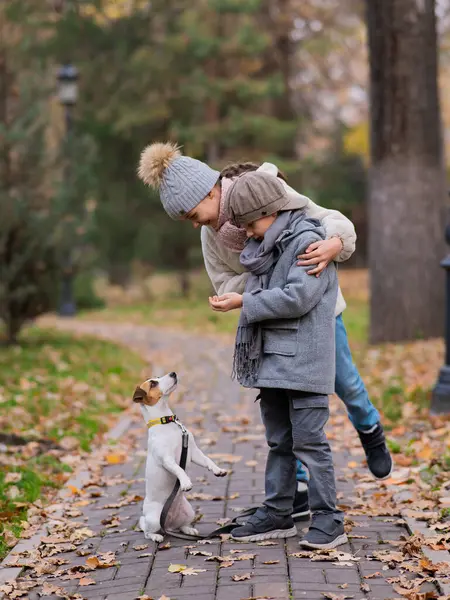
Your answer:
<point x="255" y="195"/>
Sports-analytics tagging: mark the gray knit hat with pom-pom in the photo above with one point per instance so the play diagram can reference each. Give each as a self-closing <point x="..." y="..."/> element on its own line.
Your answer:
<point x="182" y="181"/>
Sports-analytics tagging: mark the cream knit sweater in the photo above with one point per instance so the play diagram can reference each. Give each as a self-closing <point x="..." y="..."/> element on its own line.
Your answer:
<point x="226" y="272"/>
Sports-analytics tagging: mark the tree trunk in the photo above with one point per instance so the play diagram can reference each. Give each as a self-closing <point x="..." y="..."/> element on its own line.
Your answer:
<point x="185" y="283"/>
<point x="407" y="187"/>
<point x="13" y="326"/>
<point x="119" y="274"/>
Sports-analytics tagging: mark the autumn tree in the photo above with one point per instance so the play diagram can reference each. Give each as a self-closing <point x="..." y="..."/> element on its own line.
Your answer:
<point x="407" y="183"/>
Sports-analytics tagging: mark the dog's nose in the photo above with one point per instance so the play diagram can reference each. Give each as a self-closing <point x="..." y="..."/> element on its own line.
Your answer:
<point x="173" y="375"/>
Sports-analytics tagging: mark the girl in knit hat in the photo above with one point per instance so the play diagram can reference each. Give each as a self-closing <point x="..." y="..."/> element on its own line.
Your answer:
<point x="190" y="190"/>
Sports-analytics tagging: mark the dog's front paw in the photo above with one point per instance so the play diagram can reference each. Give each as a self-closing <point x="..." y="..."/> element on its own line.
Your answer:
<point x="189" y="530"/>
<point x="155" y="537"/>
<point x="186" y="485"/>
<point x="220" y="472"/>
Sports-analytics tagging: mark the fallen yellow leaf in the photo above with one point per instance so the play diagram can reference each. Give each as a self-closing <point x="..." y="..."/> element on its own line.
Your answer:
<point x="174" y="568"/>
<point x="115" y="459"/>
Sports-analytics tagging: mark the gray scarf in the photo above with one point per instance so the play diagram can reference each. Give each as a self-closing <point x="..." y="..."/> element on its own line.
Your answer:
<point x="258" y="257"/>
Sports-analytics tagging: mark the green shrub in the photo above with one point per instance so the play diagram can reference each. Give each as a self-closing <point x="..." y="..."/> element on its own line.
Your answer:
<point x="86" y="298"/>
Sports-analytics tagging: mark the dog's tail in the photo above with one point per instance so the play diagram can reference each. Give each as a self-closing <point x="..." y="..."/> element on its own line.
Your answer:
<point x="142" y="523"/>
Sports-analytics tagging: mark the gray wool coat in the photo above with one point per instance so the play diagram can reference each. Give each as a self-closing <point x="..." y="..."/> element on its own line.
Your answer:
<point x="296" y="313"/>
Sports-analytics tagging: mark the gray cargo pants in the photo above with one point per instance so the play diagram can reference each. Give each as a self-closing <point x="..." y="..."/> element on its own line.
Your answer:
<point x="294" y="423"/>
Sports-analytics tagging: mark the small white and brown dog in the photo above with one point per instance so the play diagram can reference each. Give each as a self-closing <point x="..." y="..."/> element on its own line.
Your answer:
<point x="163" y="455"/>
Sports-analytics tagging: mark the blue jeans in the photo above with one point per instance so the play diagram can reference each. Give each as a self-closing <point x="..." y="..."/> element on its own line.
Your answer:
<point x="350" y="388"/>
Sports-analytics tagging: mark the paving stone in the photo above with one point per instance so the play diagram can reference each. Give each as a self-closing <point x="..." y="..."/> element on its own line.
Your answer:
<point x="104" y="574"/>
<point x="305" y="575"/>
<point x="326" y="587"/>
<point x="280" y="591"/>
<point x="234" y="592"/>
<point x="342" y="576"/>
<point x="132" y="570"/>
<point x="120" y="596"/>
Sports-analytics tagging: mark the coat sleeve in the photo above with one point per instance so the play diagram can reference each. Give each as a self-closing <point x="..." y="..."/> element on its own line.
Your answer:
<point x="223" y="278"/>
<point x="298" y="297"/>
<point x="335" y="224"/>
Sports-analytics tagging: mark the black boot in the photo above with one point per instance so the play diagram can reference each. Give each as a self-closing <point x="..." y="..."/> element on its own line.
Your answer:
<point x="378" y="457"/>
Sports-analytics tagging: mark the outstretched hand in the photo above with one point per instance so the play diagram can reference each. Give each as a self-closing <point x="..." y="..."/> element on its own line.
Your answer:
<point x="320" y="254"/>
<point x="225" y="302"/>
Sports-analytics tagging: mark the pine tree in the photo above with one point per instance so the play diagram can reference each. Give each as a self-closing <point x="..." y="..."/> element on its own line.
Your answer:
<point x="39" y="216"/>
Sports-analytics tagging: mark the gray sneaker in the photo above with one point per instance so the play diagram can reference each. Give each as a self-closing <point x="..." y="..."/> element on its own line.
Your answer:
<point x="326" y="532"/>
<point x="264" y="525"/>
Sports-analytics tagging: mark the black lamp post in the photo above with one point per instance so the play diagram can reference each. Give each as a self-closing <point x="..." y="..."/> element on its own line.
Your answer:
<point x="440" y="403"/>
<point x="68" y="95"/>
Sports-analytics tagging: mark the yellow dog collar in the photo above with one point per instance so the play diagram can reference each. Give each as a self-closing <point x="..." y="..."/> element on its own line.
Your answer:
<point x="162" y="421"/>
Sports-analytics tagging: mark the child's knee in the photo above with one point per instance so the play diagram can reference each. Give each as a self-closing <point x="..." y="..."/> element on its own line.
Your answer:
<point x="282" y="444"/>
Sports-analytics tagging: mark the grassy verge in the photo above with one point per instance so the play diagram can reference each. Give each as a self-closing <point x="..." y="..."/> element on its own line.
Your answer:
<point x="57" y="393"/>
<point x="156" y="301"/>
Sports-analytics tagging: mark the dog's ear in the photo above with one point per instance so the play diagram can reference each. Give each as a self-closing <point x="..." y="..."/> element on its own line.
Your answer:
<point x="139" y="395"/>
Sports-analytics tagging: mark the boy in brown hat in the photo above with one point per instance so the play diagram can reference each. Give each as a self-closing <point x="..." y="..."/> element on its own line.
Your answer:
<point x="285" y="347"/>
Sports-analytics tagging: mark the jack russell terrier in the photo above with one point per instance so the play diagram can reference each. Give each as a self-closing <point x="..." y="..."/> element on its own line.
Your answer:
<point x="163" y="455"/>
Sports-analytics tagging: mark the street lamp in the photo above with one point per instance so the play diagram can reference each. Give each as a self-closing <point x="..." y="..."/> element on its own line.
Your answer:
<point x="440" y="403"/>
<point x="68" y="95"/>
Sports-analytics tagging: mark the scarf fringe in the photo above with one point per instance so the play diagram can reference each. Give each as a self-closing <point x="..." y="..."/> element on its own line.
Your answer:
<point x="247" y="355"/>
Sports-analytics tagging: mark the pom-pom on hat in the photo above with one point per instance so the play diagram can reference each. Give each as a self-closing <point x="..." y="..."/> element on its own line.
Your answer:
<point x="182" y="181"/>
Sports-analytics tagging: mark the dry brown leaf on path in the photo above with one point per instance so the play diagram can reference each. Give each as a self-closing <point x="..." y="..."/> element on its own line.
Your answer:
<point x="271" y="562"/>
<point x="373" y="575"/>
<point x="386" y="556"/>
<point x="303" y="554"/>
<point x="200" y="553"/>
<point x="414" y="594"/>
<point x="164" y="546"/>
<point x="242" y="577"/>
<point x="16" y="588"/>
<point x="9" y="538"/>
<point x="267" y="543"/>
<point x="48" y="589"/>
<point x="244" y="557"/>
<point x="103" y="561"/>
<point x="140" y="547"/>
<point x="12" y="478"/>
<point x="219" y="559"/>
<point x="86" y="581"/>
<point x="192" y="571"/>
<point x="201" y="496"/>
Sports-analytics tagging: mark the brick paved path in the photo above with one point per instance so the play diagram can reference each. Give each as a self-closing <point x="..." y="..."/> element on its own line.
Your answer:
<point x="226" y="422"/>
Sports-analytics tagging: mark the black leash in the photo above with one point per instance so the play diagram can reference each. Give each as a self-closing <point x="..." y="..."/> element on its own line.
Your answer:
<point x="168" y="503"/>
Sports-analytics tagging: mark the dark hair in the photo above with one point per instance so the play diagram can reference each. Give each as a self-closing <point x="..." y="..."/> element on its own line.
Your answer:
<point x="235" y="169"/>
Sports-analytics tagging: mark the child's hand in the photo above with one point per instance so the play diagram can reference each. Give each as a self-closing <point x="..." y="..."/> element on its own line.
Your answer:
<point x="226" y="302"/>
<point x="320" y="254"/>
